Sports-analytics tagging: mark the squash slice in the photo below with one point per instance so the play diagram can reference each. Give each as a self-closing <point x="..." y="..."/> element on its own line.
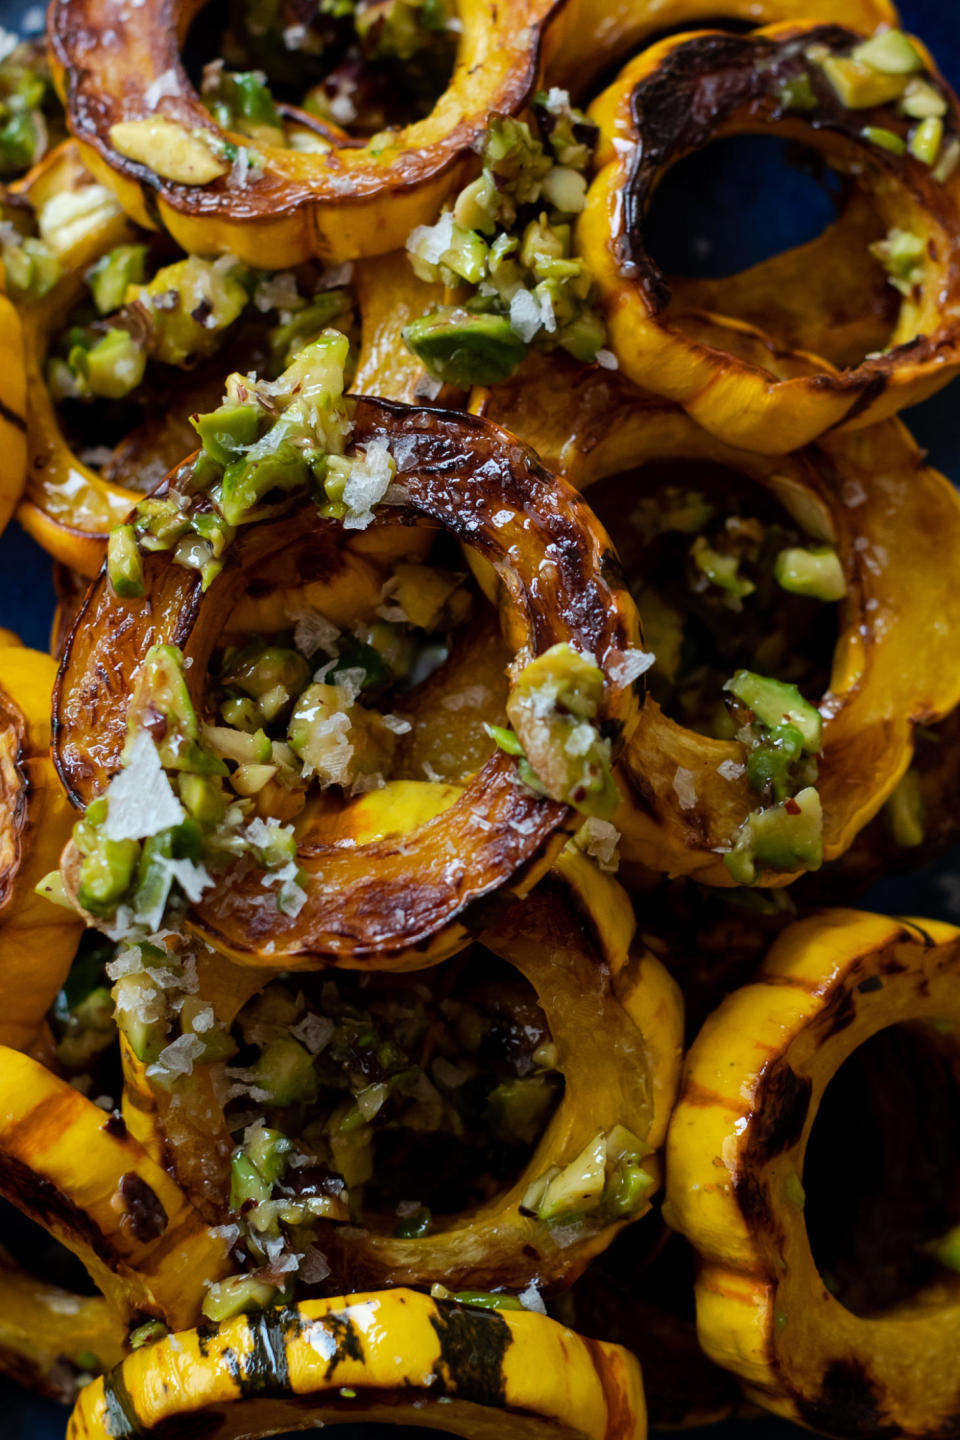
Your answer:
<point x="755" y="1089"/>
<point x="913" y="189"/>
<point x="37" y="941"/>
<point x="74" y="1170"/>
<point x="395" y="1356"/>
<point x="293" y="206"/>
<point x="398" y="901"/>
<point x="616" y="1020"/>
<point x="875" y="499"/>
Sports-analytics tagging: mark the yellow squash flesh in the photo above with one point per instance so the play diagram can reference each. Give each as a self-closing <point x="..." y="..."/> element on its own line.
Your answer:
<point x="753" y="1082"/>
<point x="396" y="1356"/>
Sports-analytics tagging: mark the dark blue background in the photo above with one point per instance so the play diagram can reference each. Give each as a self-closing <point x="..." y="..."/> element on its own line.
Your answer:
<point x="748" y="206"/>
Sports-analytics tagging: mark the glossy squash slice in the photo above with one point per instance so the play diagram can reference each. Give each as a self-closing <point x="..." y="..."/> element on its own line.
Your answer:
<point x="172" y="165"/>
<point x="854" y="101"/>
<point x="618" y="27"/>
<point x="687" y="512"/>
<point x="37" y="940"/>
<point x="813" y="1165"/>
<point x="532" y="1077"/>
<point x="402" y="900"/>
<point x="395" y="1356"/>
<point x="75" y="1170"/>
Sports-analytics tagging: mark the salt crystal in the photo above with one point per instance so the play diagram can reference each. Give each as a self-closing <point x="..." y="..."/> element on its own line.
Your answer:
<point x="731" y="769"/>
<point x="177" y="1058"/>
<point x="685" y="788"/>
<point x="634" y="664"/>
<point x="531" y="1299"/>
<point x="525" y="315"/>
<point x="431" y="242"/>
<point x="165" y="84"/>
<point x="141" y="800"/>
<point x="396" y="724"/>
<point x="608" y="360"/>
<point x="367" y="483"/>
<point x="599" y="839"/>
<point x="314" y="1031"/>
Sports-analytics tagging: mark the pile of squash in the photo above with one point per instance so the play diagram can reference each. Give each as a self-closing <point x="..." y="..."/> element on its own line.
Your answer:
<point x="482" y="664"/>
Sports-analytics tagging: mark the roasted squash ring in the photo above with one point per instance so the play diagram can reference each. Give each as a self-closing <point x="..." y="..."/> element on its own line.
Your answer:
<point x="384" y="1356"/>
<point x="298" y="205"/>
<point x="49" y="1337"/>
<point x="13" y="412"/>
<point x="399" y="903"/>
<point x="74" y="1170"/>
<point x="571" y="940"/>
<point x="645" y="128"/>
<point x="37" y="941"/>
<point x="618" y="27"/>
<point x="754" y="1082"/>
<point x="596" y="425"/>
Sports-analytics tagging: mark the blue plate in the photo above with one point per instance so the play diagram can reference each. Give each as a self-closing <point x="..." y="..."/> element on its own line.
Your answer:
<point x="723" y="217"/>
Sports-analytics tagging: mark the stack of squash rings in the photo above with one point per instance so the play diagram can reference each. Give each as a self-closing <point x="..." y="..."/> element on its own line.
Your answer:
<point x="482" y="663"/>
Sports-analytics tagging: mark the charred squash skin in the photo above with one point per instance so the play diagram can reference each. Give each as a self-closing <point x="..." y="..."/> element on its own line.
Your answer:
<point x="77" y="1172"/>
<point x="618" y="27"/>
<point x="382" y="1356"/>
<point x="886" y="678"/>
<point x="741" y="403"/>
<point x="37" y="941"/>
<point x="299" y="206"/>
<point x="46" y="1334"/>
<point x="400" y="905"/>
<point x="753" y="1083"/>
<point x="616" y="1018"/>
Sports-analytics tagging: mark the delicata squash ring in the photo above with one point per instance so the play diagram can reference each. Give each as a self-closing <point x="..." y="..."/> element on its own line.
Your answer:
<point x="49" y="1338"/>
<point x="615" y="1019"/>
<point x="394" y="1356"/>
<point x="653" y="115"/>
<point x="106" y="63"/>
<point x="755" y="1080"/>
<point x="618" y="27"/>
<point x="402" y="902"/>
<point x="75" y="1170"/>
<point x="866" y="492"/>
<point x="37" y="941"/>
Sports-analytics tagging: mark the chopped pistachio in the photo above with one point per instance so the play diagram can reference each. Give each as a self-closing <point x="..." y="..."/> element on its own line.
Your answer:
<point x="112" y="275"/>
<point x="885" y="139"/>
<point x="926" y="139"/>
<point x="123" y="562"/>
<point x="921" y="100"/>
<point x="465" y="349"/>
<point x="552" y="705"/>
<point x="948" y="161"/>
<point x="890" y="52"/>
<point x="169" y="150"/>
<point x="720" y="569"/>
<point x="861" y="87"/>
<point x="106" y="873"/>
<point x="235" y="1296"/>
<point x="946" y="1249"/>
<point x="903" y="255"/>
<point x="189" y="305"/>
<point x="227" y="431"/>
<point x="788" y="837"/>
<point x="770" y="764"/>
<point x="31" y="268"/>
<point x="147" y="1334"/>
<point x="285" y="1072"/>
<point x="795" y="92"/>
<point x="775" y="702"/>
<point x="815" y="571"/>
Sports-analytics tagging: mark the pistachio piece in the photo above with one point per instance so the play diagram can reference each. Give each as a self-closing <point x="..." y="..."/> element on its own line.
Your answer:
<point x="815" y="572"/>
<point x="465" y="349"/>
<point x="123" y="562"/>
<point x="861" y="87"/>
<point x="890" y="52"/>
<point x="906" y="812"/>
<point x="165" y="147"/>
<point x="775" y="702"/>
